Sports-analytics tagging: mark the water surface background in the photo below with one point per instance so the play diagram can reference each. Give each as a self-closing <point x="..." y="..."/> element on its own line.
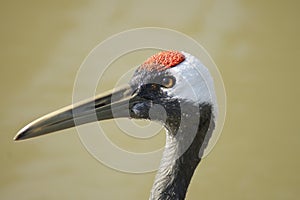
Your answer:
<point x="255" y="45"/>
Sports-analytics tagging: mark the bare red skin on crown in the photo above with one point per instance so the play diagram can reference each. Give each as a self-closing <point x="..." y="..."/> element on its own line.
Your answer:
<point x="162" y="61"/>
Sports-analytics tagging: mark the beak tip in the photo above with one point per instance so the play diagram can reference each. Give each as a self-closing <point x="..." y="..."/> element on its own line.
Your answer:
<point x="19" y="136"/>
<point x="16" y="138"/>
<point x="22" y="134"/>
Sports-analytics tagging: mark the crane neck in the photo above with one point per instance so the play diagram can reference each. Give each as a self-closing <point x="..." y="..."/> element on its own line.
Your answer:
<point x="185" y="143"/>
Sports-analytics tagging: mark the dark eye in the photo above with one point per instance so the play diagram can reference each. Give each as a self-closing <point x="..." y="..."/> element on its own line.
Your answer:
<point x="168" y="81"/>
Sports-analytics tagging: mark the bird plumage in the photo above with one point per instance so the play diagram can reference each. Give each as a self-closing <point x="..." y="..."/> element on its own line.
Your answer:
<point x="184" y="89"/>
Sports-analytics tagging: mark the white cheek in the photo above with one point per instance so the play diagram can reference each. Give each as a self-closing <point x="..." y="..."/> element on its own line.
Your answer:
<point x="196" y="94"/>
<point x="193" y="82"/>
<point x="192" y="85"/>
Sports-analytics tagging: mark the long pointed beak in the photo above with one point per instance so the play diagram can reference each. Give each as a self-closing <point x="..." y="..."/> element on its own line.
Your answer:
<point x="113" y="104"/>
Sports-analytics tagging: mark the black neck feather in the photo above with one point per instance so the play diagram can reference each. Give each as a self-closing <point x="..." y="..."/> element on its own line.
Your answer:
<point x="182" y="153"/>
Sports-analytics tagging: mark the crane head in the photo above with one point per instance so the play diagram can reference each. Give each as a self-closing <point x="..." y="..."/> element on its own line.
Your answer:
<point x="170" y="79"/>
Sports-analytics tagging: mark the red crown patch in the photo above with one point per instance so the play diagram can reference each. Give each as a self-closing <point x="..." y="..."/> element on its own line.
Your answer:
<point x="162" y="61"/>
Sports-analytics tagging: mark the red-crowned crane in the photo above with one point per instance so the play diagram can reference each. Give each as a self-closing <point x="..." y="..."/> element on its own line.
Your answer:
<point x="179" y="83"/>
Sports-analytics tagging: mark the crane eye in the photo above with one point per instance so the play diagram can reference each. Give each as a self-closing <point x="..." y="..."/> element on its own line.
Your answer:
<point x="168" y="81"/>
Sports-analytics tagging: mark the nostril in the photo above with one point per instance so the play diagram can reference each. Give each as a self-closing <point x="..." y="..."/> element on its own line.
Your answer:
<point x="141" y="109"/>
<point x="137" y="108"/>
